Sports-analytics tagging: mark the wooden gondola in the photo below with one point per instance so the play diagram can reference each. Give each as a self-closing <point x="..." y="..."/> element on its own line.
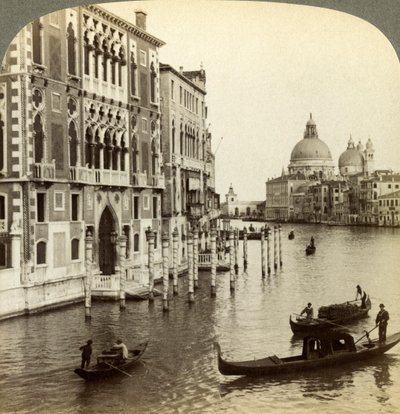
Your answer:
<point x="291" y="235"/>
<point x="110" y="363"/>
<point x="303" y="325"/>
<point x="310" y="250"/>
<point x="331" y="348"/>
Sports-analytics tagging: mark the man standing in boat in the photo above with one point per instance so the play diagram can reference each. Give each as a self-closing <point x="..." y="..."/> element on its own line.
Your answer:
<point x="122" y="347"/>
<point x="309" y="311"/>
<point x="86" y="353"/>
<point x="363" y="296"/>
<point x="382" y="321"/>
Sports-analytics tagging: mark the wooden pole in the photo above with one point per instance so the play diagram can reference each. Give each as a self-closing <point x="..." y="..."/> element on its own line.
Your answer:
<point x="236" y="243"/>
<point x="268" y="235"/>
<point x="122" y="277"/>
<point x="165" y="258"/>
<point x="275" y="249"/>
<point x="88" y="278"/>
<point x="213" y="262"/>
<point x="150" y="239"/>
<point x="190" y="266"/>
<point x="175" y="236"/>
<point x="280" y="245"/>
<point x="196" y="257"/>
<point x="231" y="260"/>
<point x="262" y="252"/>
<point x="245" y="247"/>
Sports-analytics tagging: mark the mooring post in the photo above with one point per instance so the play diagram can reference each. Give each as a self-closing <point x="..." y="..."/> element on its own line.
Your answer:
<point x="150" y="239"/>
<point x="280" y="246"/>
<point x="175" y="235"/>
<point x="268" y="237"/>
<point x="190" y="266"/>
<point x="122" y="273"/>
<point x="231" y="260"/>
<point x="88" y="278"/>
<point x="245" y="247"/>
<point x="262" y="235"/>
<point x="213" y="262"/>
<point x="275" y="249"/>
<point x="165" y="267"/>
<point x="196" y="257"/>
<point x="236" y="243"/>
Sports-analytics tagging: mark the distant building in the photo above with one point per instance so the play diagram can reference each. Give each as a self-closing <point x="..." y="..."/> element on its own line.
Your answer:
<point x="356" y="160"/>
<point x="233" y="207"/>
<point x="389" y="209"/>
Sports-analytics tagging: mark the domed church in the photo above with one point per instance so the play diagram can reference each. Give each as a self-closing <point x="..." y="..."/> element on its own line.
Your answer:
<point x="311" y="156"/>
<point x="356" y="160"/>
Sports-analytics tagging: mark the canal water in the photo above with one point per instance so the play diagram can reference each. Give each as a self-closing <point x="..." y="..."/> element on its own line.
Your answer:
<point x="179" y="371"/>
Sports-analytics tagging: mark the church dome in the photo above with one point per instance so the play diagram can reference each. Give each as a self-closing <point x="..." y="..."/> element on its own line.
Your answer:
<point x="352" y="157"/>
<point x="310" y="147"/>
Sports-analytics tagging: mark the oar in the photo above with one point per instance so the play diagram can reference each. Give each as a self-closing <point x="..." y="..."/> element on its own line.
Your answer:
<point x="366" y="334"/>
<point x="120" y="370"/>
<point x="325" y="321"/>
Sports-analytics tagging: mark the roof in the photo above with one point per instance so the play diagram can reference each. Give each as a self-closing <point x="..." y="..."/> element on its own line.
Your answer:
<point x="395" y="194"/>
<point x="164" y="67"/>
<point x="288" y="177"/>
<point x="351" y="158"/>
<point x="311" y="148"/>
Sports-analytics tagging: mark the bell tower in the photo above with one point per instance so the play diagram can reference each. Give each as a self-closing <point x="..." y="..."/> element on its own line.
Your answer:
<point x="369" y="158"/>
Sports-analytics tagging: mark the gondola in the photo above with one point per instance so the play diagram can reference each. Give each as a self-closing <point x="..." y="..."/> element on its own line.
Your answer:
<point x="291" y="235"/>
<point x="331" y="348"/>
<point x="316" y="324"/>
<point x="110" y="363"/>
<point x="310" y="250"/>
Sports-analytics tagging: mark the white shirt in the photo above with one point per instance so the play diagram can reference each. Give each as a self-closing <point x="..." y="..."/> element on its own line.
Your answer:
<point x="125" y="354"/>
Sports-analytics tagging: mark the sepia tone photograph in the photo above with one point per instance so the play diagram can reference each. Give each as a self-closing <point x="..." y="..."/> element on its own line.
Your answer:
<point x="199" y="206"/>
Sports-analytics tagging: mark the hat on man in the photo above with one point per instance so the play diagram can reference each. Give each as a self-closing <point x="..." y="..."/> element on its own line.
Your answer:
<point x="309" y="304"/>
<point x="89" y="341"/>
<point x="381" y="305"/>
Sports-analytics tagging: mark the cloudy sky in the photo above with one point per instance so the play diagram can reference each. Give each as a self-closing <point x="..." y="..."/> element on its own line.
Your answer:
<point x="268" y="66"/>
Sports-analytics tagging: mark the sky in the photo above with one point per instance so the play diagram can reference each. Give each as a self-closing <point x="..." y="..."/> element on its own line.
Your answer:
<point x="269" y="66"/>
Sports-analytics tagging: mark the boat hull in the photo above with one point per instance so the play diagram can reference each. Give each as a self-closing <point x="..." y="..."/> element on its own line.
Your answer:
<point x="102" y="370"/>
<point x="266" y="367"/>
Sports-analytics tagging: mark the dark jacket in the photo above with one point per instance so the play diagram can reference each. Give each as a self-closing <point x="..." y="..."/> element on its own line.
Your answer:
<point x="86" y="350"/>
<point x="382" y="317"/>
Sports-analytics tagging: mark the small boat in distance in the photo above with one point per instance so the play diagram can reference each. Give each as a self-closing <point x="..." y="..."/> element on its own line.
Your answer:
<point x="310" y="249"/>
<point x="330" y="317"/>
<point x="331" y="348"/>
<point x="110" y="363"/>
<point x="291" y="235"/>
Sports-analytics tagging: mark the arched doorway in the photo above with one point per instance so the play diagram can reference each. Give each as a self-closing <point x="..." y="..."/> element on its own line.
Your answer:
<point x="107" y="237"/>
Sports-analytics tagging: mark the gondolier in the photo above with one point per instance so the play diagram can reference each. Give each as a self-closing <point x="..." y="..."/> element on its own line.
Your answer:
<point x="309" y="311"/>
<point x="86" y="353"/>
<point x="382" y="321"/>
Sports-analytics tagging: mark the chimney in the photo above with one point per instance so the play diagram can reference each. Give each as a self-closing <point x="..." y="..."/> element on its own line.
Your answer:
<point x="141" y="19"/>
<point x="180" y="69"/>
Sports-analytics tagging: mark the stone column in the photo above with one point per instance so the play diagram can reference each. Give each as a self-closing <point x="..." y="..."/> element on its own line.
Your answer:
<point x="122" y="280"/>
<point x="262" y="235"/>
<point x="213" y="261"/>
<point x="150" y="240"/>
<point x="175" y="241"/>
<point x="165" y="251"/>
<point x="196" y="257"/>
<point x="231" y="260"/>
<point x="88" y="278"/>
<point x="190" y="266"/>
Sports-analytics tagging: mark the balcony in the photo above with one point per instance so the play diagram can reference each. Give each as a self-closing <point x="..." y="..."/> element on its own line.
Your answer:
<point x="158" y="181"/>
<point x="176" y="159"/>
<point x="192" y="164"/>
<point x="195" y="211"/>
<point x="44" y="171"/>
<point x="86" y="175"/>
<point x="139" y="179"/>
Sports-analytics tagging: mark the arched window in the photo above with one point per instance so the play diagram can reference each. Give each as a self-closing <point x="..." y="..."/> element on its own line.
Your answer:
<point x="105" y="56"/>
<point x="73" y="144"/>
<point x="38" y="138"/>
<point x="181" y="141"/>
<point x="71" y="49"/>
<point x="153" y="157"/>
<point x="86" y="54"/>
<point x="97" y="52"/>
<point x="122" y="62"/>
<point x="113" y="65"/>
<point x="3" y="221"/>
<point x="107" y="151"/>
<point x="41" y="253"/>
<point x="74" y="249"/>
<point x="136" y="242"/>
<point x="115" y="152"/>
<point x="123" y="153"/>
<point x="3" y="255"/>
<point x="88" y="147"/>
<point x="37" y="42"/>
<point x="173" y="136"/>
<point x="153" y="77"/>
<point x="133" y="67"/>
<point x="134" y="154"/>
<point x="2" y="145"/>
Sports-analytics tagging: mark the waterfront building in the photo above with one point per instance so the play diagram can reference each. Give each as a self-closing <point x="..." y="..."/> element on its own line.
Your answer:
<point x="388" y="209"/>
<point x="80" y="157"/>
<point x="189" y="198"/>
<point x="233" y="207"/>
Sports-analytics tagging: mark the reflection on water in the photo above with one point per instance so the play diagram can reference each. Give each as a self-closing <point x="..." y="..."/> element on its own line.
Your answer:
<point x="179" y="372"/>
